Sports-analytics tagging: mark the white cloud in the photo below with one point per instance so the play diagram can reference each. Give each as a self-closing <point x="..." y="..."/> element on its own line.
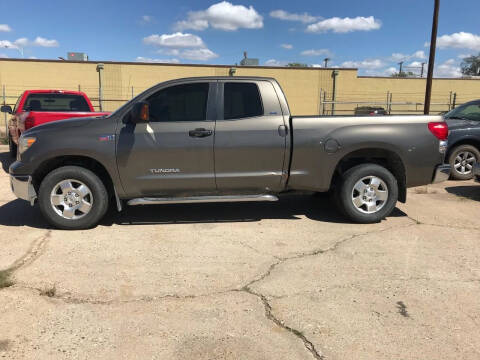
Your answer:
<point x="370" y="64"/>
<point x="5" y="28"/>
<point x="24" y="42"/>
<point x="461" y="40"/>
<point x="305" y="18"/>
<point x="345" y="25"/>
<point x="150" y="60"/>
<point x="316" y="52"/>
<point x="415" y="64"/>
<point x="287" y="46"/>
<point x="420" y="54"/>
<point x="7" y="44"/>
<point x="449" y="69"/>
<point x="42" y="42"/>
<point x="185" y="46"/>
<point x="464" y="56"/>
<point x="146" y="19"/>
<point x="222" y="16"/>
<point x="3" y="56"/>
<point x="176" y="40"/>
<point x="381" y="72"/>
<point x="197" y="54"/>
<point x="273" y="62"/>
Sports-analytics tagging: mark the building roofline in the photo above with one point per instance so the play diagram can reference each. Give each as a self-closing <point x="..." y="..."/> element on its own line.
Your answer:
<point x="169" y="64"/>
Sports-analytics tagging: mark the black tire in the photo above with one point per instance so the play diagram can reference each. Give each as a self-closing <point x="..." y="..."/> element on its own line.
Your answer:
<point x="99" y="202"/>
<point x="12" y="147"/>
<point x="345" y="193"/>
<point x="459" y="151"/>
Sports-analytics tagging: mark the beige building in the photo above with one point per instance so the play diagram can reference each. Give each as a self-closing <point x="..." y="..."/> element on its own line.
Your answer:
<point x="309" y="90"/>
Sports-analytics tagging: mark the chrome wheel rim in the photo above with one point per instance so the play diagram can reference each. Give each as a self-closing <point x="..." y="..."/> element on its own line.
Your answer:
<point x="370" y="194"/>
<point x="71" y="199"/>
<point x="464" y="162"/>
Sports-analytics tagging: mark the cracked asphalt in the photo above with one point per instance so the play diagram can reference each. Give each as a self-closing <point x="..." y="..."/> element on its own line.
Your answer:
<point x="286" y="280"/>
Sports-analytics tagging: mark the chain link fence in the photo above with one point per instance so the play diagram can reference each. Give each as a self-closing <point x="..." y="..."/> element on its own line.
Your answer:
<point x="343" y="103"/>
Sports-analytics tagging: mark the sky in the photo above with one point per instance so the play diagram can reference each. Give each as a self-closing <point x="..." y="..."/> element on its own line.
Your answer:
<point x="371" y="35"/>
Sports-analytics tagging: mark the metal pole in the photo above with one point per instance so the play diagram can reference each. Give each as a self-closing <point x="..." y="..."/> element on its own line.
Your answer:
<point x="450" y="102"/>
<point x="401" y="68"/>
<point x="390" y="106"/>
<point x="423" y="69"/>
<point x="334" y="89"/>
<point x="431" y="61"/>
<point x="388" y="97"/>
<point x="454" y="100"/>
<point x="79" y="88"/>
<point x="100" y="67"/>
<point x="132" y="92"/>
<point x="324" y="99"/>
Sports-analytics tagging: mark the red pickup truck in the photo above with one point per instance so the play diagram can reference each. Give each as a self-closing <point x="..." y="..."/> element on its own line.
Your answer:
<point x="35" y="107"/>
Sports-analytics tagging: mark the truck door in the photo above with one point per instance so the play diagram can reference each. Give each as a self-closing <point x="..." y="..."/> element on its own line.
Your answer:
<point x="250" y="138"/>
<point x="173" y="153"/>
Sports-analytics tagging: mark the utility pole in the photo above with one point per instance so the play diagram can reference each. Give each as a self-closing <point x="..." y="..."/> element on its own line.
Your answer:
<point x="401" y="68"/>
<point x="423" y="67"/>
<point x="326" y="60"/>
<point x="431" y="60"/>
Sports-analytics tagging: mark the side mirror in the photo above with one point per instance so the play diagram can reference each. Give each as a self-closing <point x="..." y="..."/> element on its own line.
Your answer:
<point x="6" y="109"/>
<point x="140" y="113"/>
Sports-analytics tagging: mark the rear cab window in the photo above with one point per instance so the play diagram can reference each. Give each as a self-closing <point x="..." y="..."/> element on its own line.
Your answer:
<point x="56" y="103"/>
<point x="241" y="100"/>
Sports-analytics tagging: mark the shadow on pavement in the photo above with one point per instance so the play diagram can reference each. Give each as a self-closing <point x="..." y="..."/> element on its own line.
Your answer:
<point x="6" y="161"/>
<point x="470" y="192"/>
<point x="290" y="207"/>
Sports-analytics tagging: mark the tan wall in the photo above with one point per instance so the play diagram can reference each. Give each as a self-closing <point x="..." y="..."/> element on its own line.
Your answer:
<point x="303" y="87"/>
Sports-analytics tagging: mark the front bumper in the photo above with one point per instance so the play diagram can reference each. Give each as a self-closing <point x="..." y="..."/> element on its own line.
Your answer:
<point x="476" y="172"/>
<point x="442" y="173"/>
<point x="22" y="187"/>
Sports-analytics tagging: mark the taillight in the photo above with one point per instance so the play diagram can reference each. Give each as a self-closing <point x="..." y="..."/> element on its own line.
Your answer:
<point x="439" y="129"/>
<point x="29" y="122"/>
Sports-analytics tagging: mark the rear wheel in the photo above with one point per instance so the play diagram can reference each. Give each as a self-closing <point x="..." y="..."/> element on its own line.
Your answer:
<point x="73" y="198"/>
<point x="12" y="147"/>
<point x="367" y="193"/>
<point x="462" y="159"/>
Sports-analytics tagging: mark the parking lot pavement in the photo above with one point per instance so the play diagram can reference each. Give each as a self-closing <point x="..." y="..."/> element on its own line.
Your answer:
<point x="287" y="280"/>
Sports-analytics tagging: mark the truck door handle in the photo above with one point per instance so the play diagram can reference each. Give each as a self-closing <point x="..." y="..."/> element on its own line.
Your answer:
<point x="200" y="133"/>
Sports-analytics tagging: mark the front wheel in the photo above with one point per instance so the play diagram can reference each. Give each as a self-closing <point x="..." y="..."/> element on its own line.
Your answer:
<point x="367" y="193"/>
<point x="72" y="198"/>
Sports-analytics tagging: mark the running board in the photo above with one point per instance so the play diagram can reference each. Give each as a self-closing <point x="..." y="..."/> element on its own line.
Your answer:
<point x="201" y="199"/>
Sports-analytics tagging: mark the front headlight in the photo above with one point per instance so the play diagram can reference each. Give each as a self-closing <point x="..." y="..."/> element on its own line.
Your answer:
<point x="24" y="143"/>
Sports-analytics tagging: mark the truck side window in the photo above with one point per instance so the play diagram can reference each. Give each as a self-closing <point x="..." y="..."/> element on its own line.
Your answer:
<point x="186" y="102"/>
<point x="241" y="100"/>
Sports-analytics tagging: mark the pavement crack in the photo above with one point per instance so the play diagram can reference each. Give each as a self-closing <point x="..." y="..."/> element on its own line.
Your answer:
<point x="36" y="249"/>
<point x="270" y="316"/>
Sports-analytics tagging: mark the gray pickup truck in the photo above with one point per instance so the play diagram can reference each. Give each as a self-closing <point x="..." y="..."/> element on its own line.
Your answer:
<point x="223" y="139"/>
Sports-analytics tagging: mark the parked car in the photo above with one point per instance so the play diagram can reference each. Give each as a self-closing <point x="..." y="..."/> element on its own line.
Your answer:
<point x="223" y="139"/>
<point x="370" y="110"/>
<point x="35" y="107"/>
<point x="464" y="139"/>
